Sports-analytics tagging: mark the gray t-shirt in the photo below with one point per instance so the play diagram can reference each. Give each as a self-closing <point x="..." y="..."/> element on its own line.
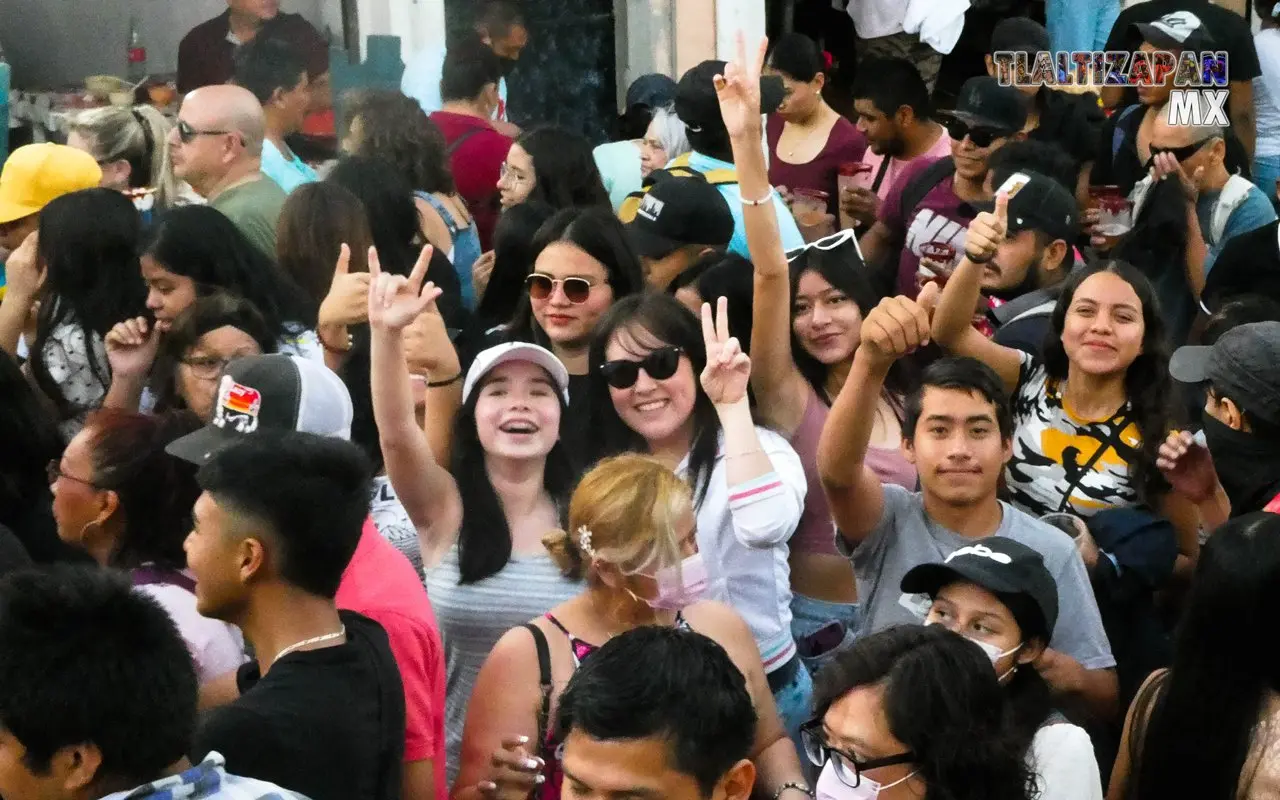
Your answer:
<point x="906" y="538"/>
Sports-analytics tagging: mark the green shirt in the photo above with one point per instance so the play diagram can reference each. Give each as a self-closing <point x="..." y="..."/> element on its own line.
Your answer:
<point x="254" y="207"/>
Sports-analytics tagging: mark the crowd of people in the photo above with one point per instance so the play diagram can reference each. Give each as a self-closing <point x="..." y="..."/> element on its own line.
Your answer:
<point x="762" y="452"/>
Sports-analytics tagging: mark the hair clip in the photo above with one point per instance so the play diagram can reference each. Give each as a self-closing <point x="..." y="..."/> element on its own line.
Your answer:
<point x="584" y="541"/>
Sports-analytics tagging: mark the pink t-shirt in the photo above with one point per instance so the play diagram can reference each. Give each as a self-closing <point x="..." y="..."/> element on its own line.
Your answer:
<point x="940" y="149"/>
<point x="381" y="584"/>
<point x="941" y="217"/>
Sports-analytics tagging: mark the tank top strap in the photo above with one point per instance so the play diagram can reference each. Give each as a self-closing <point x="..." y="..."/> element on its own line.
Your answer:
<point x="443" y="211"/>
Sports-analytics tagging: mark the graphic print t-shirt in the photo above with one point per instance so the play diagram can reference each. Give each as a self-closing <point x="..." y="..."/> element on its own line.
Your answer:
<point x="1061" y="462"/>
<point x="940" y="217"/>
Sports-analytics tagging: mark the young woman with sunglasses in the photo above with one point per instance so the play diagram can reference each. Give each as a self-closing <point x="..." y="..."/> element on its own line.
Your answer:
<point x="481" y="520"/>
<point x="806" y="322"/>
<point x="631" y="536"/>
<point x="915" y="712"/>
<point x="583" y="264"/>
<point x="749" y="485"/>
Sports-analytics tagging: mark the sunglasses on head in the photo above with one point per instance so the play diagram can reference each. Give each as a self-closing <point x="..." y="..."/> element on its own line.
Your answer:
<point x="541" y="286"/>
<point x="981" y="137"/>
<point x="837" y="239"/>
<point x="659" y="365"/>
<point x="1180" y="153"/>
<point x="188" y="134"/>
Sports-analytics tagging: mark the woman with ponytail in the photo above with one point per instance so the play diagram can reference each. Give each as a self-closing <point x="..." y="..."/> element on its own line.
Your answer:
<point x="631" y="537"/>
<point x="129" y="145"/>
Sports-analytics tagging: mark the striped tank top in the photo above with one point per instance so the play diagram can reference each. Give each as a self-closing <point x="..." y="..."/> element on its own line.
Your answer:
<point x="474" y="616"/>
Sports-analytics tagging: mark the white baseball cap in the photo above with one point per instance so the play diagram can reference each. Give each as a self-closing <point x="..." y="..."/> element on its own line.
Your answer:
<point x="516" y="351"/>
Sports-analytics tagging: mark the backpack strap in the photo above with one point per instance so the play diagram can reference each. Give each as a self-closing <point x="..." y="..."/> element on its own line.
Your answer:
<point x="1118" y="131"/>
<point x="914" y="192"/>
<point x="544" y="682"/>
<point x="1232" y="197"/>
<point x="451" y="149"/>
<point x="1031" y="304"/>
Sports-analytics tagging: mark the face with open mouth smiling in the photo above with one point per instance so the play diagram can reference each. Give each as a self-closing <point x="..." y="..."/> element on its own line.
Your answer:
<point x="655" y="408"/>
<point x="518" y="411"/>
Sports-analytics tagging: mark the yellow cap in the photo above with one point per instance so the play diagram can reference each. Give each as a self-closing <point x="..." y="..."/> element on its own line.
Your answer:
<point x="36" y="174"/>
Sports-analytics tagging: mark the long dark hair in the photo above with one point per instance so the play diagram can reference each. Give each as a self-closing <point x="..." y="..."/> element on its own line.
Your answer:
<point x="156" y="491"/>
<point x="394" y="128"/>
<point x="942" y="700"/>
<point x="654" y="320"/>
<point x="514" y="252"/>
<point x="565" y="171"/>
<point x="1157" y="247"/>
<point x="599" y="234"/>
<point x="844" y="269"/>
<point x="1147" y="383"/>
<point x="200" y="243"/>
<point x="218" y="309"/>
<point x="1225" y="665"/>
<point x="317" y="219"/>
<point x="484" y="541"/>
<point x="31" y="440"/>
<point x="88" y="245"/>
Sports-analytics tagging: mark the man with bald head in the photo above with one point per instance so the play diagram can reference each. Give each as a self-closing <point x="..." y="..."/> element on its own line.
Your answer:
<point x="216" y="146"/>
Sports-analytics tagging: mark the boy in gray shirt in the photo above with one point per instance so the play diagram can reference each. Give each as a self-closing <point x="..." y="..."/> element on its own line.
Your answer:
<point x="957" y="432"/>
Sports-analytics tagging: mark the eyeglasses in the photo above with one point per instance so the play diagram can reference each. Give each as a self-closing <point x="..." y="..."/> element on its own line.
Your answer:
<point x="54" y="471"/>
<point x="847" y="768"/>
<point x="837" y="239"/>
<point x="659" y="365"/>
<point x="505" y="172"/>
<point x="207" y="367"/>
<point x="187" y="134"/>
<point x="542" y="286"/>
<point x="981" y="137"/>
<point x="1180" y="153"/>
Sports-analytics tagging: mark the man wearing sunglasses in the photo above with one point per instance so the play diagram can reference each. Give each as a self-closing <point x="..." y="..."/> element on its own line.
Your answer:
<point x="933" y="202"/>
<point x="678" y="221"/>
<point x="217" y="148"/>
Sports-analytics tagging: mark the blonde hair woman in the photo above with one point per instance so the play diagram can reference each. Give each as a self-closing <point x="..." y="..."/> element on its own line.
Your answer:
<point x="129" y="144"/>
<point x="631" y="536"/>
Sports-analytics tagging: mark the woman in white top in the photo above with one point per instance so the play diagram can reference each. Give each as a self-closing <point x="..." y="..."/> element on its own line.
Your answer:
<point x="86" y="249"/>
<point x="1266" y="98"/>
<point x="121" y="498"/>
<point x="480" y="520"/>
<point x="999" y="595"/>
<point x="749" y="486"/>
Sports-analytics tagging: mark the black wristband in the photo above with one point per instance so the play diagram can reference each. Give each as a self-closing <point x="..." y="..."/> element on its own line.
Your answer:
<point x="447" y="382"/>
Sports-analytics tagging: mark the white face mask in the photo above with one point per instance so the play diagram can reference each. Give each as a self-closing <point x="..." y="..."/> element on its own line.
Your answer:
<point x="830" y="787"/>
<point x="994" y="653"/>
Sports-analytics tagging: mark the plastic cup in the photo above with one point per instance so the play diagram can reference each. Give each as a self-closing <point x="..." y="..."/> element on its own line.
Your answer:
<point x="1069" y="524"/>
<point x="809" y="206"/>
<point x="847" y="175"/>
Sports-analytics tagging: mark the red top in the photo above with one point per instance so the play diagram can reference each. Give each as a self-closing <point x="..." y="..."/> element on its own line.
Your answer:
<point x="844" y="143"/>
<point x="476" y="163"/>
<point x="205" y="54"/>
<point x="381" y="584"/>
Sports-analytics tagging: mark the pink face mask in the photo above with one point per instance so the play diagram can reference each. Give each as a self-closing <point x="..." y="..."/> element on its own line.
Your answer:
<point x="680" y="586"/>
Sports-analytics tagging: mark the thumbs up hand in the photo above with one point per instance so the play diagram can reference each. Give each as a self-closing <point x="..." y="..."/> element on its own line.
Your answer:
<point x="987" y="232"/>
<point x="899" y="326"/>
<point x="348" y="300"/>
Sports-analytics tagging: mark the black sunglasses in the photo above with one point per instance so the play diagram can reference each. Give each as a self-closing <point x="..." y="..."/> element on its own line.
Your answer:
<point x="540" y="287"/>
<point x="981" y="137"/>
<point x="1180" y="153"/>
<point x="659" y="365"/>
<point x="847" y="768"/>
<point x="187" y="134"/>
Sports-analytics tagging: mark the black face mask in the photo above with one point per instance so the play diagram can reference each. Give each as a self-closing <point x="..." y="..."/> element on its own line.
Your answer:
<point x="508" y="65"/>
<point x="1248" y="467"/>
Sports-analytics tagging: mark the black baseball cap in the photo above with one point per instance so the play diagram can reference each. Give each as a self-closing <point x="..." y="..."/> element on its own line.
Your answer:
<point x="654" y="90"/>
<point x="1039" y="203"/>
<point x="1010" y="570"/>
<point x="679" y="211"/>
<point x="696" y="102"/>
<point x="1179" y="30"/>
<point x="984" y="103"/>
<point x="1244" y="364"/>
<point x="279" y="392"/>
<point x="1019" y="35"/>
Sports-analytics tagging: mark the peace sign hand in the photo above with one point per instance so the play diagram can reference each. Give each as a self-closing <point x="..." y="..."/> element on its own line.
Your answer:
<point x="728" y="369"/>
<point x="738" y="91"/>
<point x="394" y="300"/>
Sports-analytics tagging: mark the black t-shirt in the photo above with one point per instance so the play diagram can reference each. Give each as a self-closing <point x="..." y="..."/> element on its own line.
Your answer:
<point x="575" y="428"/>
<point x="1248" y="264"/>
<point x="1229" y="30"/>
<point x="326" y="723"/>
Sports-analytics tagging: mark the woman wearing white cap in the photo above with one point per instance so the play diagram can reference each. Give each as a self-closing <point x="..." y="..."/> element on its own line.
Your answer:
<point x="481" y="520"/>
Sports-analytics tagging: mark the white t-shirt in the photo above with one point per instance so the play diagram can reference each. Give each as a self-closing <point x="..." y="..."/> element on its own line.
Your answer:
<point x="874" y="18"/>
<point x="422" y="76"/>
<point x="216" y="647"/>
<point x="1266" y="92"/>
<point x="1066" y="769"/>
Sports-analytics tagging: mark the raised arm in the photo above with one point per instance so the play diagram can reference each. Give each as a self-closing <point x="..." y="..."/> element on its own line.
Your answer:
<point x="778" y="384"/>
<point x="23" y="279"/>
<point x="347" y="303"/>
<point x="131" y="351"/>
<point x="952" y="322"/>
<point x="893" y="329"/>
<point x="425" y="488"/>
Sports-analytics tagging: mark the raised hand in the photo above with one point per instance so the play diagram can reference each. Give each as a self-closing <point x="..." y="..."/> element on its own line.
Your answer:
<point x="23" y="276"/>
<point x="515" y="771"/>
<point x="1166" y="164"/>
<point x="987" y="231"/>
<point x="131" y="347"/>
<point x="899" y="325"/>
<point x="481" y="271"/>
<point x="738" y="91"/>
<point x="394" y="300"/>
<point x="348" y="300"/>
<point x="1188" y="467"/>
<point x="728" y="369"/>
<point x="860" y="203"/>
